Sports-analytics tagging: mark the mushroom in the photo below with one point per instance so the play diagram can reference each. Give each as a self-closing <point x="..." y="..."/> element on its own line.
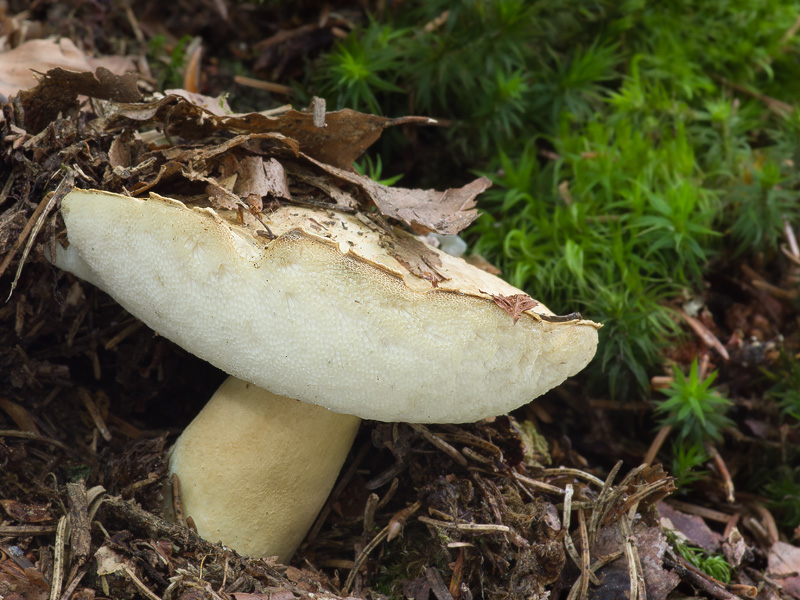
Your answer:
<point x="306" y="307"/>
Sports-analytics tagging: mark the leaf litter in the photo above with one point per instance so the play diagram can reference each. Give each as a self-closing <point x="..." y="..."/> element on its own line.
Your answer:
<point x="442" y="512"/>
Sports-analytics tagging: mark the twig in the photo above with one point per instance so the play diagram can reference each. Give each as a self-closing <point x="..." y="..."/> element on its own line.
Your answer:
<point x="700" y="511"/>
<point x="539" y="486"/>
<point x="7" y="188"/>
<point x="34" y="437"/>
<point x="267" y="86"/>
<point x="25" y="530"/>
<point x="114" y="341"/>
<point x="577" y="473"/>
<point x="656" y="444"/>
<point x="704" y="333"/>
<point x="139" y="583"/>
<point x="594" y="521"/>
<point x="569" y="544"/>
<point x="440" y="443"/>
<point x="790" y="32"/>
<point x="791" y="238"/>
<point x="778" y="107"/>
<point x="700" y="580"/>
<point x="94" y="412"/>
<point x="438" y="586"/>
<point x="768" y="520"/>
<point x="344" y="481"/>
<point x="724" y="473"/>
<point x="362" y="557"/>
<point x="370" y="507"/>
<point x="471" y="527"/>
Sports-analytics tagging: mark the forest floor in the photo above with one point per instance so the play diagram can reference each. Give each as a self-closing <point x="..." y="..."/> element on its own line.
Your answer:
<point x="559" y="500"/>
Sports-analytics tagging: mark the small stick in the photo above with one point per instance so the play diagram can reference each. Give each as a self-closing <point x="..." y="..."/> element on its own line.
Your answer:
<point x="539" y="486"/>
<point x="470" y="527"/>
<point x="723" y="471"/>
<point x="94" y="412"/>
<point x="656" y="444"/>
<point x="440" y="443"/>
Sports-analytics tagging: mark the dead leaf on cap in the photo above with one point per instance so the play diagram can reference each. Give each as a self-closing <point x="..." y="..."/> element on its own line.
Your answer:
<point x="261" y="178"/>
<point x="514" y="305"/>
<point x="424" y="211"/>
<point x="344" y="200"/>
<point x="415" y="256"/>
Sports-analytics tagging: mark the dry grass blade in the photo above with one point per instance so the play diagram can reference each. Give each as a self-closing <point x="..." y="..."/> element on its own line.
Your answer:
<point x="609" y="498"/>
<point x="594" y="521"/>
<point x="59" y="559"/>
<point x="351" y="577"/>
<point x="566" y="520"/>
<point x="637" y="589"/>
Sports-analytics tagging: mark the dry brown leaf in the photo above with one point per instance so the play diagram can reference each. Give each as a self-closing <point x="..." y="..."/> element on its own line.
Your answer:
<point x="59" y="89"/>
<point x="215" y="105"/>
<point x="651" y="545"/>
<point x="414" y="256"/>
<point x="27" y="513"/>
<point x="18" y="66"/>
<point x="343" y="199"/>
<point x="261" y="178"/>
<point x="515" y="304"/>
<point x="693" y="528"/>
<point x="783" y="560"/>
<point x="425" y="211"/>
<point x="345" y="137"/>
<point x="18" y="582"/>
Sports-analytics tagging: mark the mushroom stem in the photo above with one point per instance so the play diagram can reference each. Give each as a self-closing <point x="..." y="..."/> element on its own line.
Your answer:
<point x="255" y="468"/>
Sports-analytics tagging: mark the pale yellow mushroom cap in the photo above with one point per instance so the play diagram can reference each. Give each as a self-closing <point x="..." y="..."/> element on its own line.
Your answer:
<point x="323" y="313"/>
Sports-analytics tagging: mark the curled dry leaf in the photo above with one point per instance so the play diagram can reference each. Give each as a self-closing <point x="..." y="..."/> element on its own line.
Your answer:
<point x="346" y="136"/>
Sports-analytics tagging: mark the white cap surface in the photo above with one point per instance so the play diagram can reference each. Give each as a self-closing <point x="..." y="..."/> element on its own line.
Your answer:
<point x="322" y="313"/>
